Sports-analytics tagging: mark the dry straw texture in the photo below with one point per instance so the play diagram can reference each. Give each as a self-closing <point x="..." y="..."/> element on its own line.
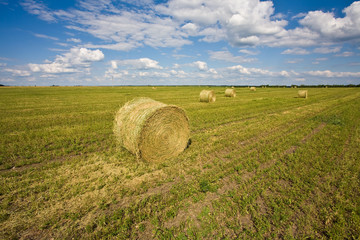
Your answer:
<point x="253" y="89"/>
<point x="230" y="92"/>
<point x="302" y="93"/>
<point x="207" y="96"/>
<point x="152" y="130"/>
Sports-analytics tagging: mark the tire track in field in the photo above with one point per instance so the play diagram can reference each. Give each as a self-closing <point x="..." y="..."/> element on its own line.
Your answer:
<point x="293" y="148"/>
<point x="228" y="185"/>
<point x="191" y="213"/>
<point x="193" y="209"/>
<point x="234" y="122"/>
<point x="280" y="128"/>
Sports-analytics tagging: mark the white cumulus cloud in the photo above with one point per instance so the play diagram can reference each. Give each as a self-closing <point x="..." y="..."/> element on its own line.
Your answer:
<point x="228" y="57"/>
<point x="296" y="51"/>
<point x="17" y="72"/>
<point x="72" y="61"/>
<point x="332" y="28"/>
<point x="258" y="71"/>
<point x="326" y="50"/>
<point x="345" y="54"/>
<point x="241" y="22"/>
<point x="140" y="64"/>
<point x="202" y="66"/>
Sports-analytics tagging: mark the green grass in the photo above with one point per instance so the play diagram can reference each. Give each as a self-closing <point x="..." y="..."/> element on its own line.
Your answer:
<point x="262" y="165"/>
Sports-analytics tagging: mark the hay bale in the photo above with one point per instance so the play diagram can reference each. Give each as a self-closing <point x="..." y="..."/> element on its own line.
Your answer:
<point x="152" y="130"/>
<point x="253" y="89"/>
<point x="207" y="96"/>
<point x="302" y="93"/>
<point x="230" y="92"/>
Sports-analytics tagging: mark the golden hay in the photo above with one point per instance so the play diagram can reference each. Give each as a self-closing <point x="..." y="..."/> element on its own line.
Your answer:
<point x="253" y="89"/>
<point x="230" y="92"/>
<point x="152" y="130"/>
<point x="302" y="93"/>
<point x="207" y="96"/>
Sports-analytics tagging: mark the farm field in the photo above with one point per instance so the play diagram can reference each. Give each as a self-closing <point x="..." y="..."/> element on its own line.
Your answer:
<point x="264" y="164"/>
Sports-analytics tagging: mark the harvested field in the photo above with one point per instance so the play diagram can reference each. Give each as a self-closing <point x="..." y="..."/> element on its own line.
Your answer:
<point x="261" y="165"/>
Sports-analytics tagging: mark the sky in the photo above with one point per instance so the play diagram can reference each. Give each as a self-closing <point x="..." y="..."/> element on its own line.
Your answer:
<point x="179" y="42"/>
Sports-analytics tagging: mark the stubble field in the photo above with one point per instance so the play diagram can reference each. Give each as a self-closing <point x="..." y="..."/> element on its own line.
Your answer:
<point x="265" y="164"/>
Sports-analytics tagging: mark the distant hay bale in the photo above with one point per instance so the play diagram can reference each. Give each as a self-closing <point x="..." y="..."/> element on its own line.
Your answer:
<point x="154" y="88"/>
<point x="230" y="92"/>
<point x="152" y="130"/>
<point x="302" y="93"/>
<point x="207" y="96"/>
<point x="253" y="89"/>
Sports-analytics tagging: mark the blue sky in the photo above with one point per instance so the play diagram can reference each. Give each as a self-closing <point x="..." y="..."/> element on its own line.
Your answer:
<point x="179" y="42"/>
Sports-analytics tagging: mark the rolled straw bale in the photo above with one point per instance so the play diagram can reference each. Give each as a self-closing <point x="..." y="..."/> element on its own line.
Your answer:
<point x="252" y="88"/>
<point x="230" y="92"/>
<point x="207" y="96"/>
<point x="302" y="93"/>
<point x="152" y="130"/>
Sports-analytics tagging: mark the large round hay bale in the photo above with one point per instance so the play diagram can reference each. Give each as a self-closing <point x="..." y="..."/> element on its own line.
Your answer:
<point x="207" y="96"/>
<point x="152" y="130"/>
<point x="230" y="92"/>
<point x="302" y="93"/>
<point x="253" y="89"/>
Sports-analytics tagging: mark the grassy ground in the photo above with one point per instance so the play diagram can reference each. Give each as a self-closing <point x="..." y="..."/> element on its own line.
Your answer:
<point x="262" y="165"/>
